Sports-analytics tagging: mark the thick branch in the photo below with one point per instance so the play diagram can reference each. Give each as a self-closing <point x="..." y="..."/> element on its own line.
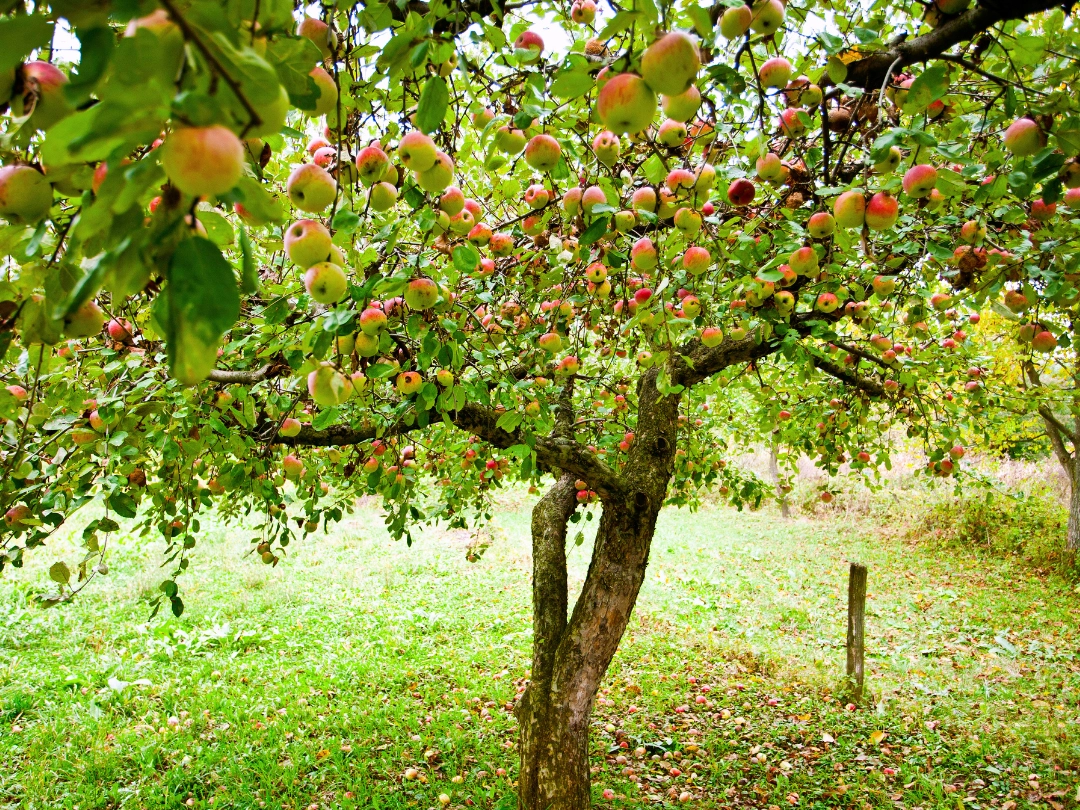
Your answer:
<point x="248" y="377"/>
<point x="550" y="600"/>
<point x="552" y="452"/>
<point x="869" y="72"/>
<point x="1055" y="430"/>
<point x="867" y="384"/>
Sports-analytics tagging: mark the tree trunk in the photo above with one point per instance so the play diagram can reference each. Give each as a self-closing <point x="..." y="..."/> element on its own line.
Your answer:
<point x="774" y="470"/>
<point x="1072" y="532"/>
<point x="570" y="657"/>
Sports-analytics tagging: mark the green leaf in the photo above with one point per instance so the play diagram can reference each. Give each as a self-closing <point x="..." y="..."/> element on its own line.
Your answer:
<point x="60" y="573"/>
<point x="431" y="109"/>
<point x="124" y="505"/>
<point x="345" y="220"/>
<point x="572" y="84"/>
<point x="96" y="47"/>
<point x="177" y="606"/>
<point x="293" y="59"/>
<point x="218" y="229"/>
<point x="654" y="170"/>
<point x="620" y="22"/>
<point x="198" y="305"/>
<point x="929" y="86"/>
<point x="249" y="274"/>
<point x="258" y="201"/>
<point x="21" y="35"/>
<point x="466" y="259"/>
<point x="84" y="288"/>
<point x="595" y="231"/>
<point x="509" y="421"/>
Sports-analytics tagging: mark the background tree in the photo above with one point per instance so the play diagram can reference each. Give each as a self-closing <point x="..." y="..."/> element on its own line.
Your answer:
<point x="265" y="262"/>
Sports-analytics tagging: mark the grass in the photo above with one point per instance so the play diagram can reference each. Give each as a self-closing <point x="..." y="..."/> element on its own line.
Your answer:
<point x="319" y="683"/>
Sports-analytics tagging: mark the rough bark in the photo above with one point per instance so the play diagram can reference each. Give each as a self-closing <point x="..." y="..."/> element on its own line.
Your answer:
<point x="1072" y="532"/>
<point x="556" y="708"/>
<point x="1059" y="434"/>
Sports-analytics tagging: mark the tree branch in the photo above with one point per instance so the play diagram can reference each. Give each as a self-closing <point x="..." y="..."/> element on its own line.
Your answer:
<point x="869" y="72"/>
<point x="867" y="384"/>
<point x="247" y="377"/>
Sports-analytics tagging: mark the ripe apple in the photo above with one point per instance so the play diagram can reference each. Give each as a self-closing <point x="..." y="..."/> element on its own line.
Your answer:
<point x="741" y="192"/>
<point x="884" y="286"/>
<point x="920" y="180"/>
<point x="528" y="47"/>
<point x="43" y="95"/>
<point x="670" y="65"/>
<point x="417" y="151"/>
<point x="583" y="12"/>
<point x="735" y="21"/>
<point x="1016" y="301"/>
<point x="626" y="104"/>
<point x="408" y="383"/>
<point x="17" y="514"/>
<point x="421" y="294"/>
<point x="326" y="282"/>
<point x="452" y="200"/>
<point x="672" y="133"/>
<point x="821" y="225"/>
<point x="804" y="261"/>
<point x="1024" y="137"/>
<point x="696" y="260"/>
<point x="292" y="467"/>
<point x="882" y="211"/>
<point x="435" y="179"/>
<point x="1044" y="341"/>
<point x="311" y="188"/>
<point x="691" y="306"/>
<point x="1041" y="211"/>
<point x="371" y="164"/>
<point x="784" y="302"/>
<point x="644" y="199"/>
<point x="319" y="33"/>
<point x="790" y="122"/>
<point x="120" y="330"/>
<point x="444" y="377"/>
<point x="203" y="161"/>
<point x="542" y="153"/>
<point x="711" y="336"/>
<point x="688" y="221"/>
<point x="770" y="167"/>
<point x="25" y="194"/>
<point x="328" y="386"/>
<point x="827" y="302"/>
<point x="328" y="93"/>
<point x="550" y="342"/>
<point x="1072" y="199"/>
<point x="307" y="242"/>
<point x="775" y="72"/>
<point x="290" y="427"/>
<point x="849" y="210"/>
<point x="683" y="106"/>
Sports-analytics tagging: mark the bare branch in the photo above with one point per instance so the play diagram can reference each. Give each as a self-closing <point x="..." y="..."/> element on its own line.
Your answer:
<point x="242" y="377"/>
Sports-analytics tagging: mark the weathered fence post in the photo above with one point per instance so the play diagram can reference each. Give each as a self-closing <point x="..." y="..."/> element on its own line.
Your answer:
<point x="856" y="627"/>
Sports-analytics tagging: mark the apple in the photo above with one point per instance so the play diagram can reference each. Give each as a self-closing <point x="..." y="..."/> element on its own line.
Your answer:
<point x="626" y="104"/>
<point x="804" y="261"/>
<point x="696" y="260"/>
<point x="1072" y="199"/>
<point x="769" y="167"/>
<point x="452" y="200"/>
<point x="1016" y="301"/>
<point x="440" y="175"/>
<point x="791" y="124"/>
<point x="528" y="47"/>
<point x="542" y="153"/>
<point x="203" y="161"/>
<point x="884" y="286"/>
<point x="319" y="33"/>
<point x="18" y="392"/>
<point x="741" y="192"/>
<point x="688" y="222"/>
<point x="120" y="330"/>
<point x="325" y="282"/>
<point x="408" y="383"/>
<point x="672" y="133"/>
<point x="372" y="321"/>
<point x="957" y="452"/>
<point x="1041" y="211"/>
<point x="920" y="180"/>
<point x="371" y="164"/>
<point x="509" y="140"/>
<point x="1044" y="341"/>
<point x="671" y="64"/>
<point x="307" y="242"/>
<point x="583" y="12"/>
<point x="882" y="211"/>
<point x="501" y="244"/>
<point x="821" y="225"/>
<point x="417" y="151"/>
<point x="1024" y="137"/>
<point x="644" y="199"/>
<point x="775" y="72"/>
<point x="311" y="188"/>
<point x="382" y="197"/>
<point x="25" y="194"/>
<point x="972" y="232"/>
<point x="536" y="196"/>
<point x="328" y="92"/>
<point x="682" y="107"/>
<point x="290" y="427"/>
<point x="43" y="96"/>
<point x="784" y="302"/>
<point x="711" y="336"/>
<point x="328" y="386"/>
<point x="803" y="93"/>
<point x="691" y="307"/>
<point x="292" y="467"/>
<point x="17" y="514"/>
<point x="827" y="302"/>
<point x="550" y="342"/>
<point x="421" y="294"/>
<point x="849" y="210"/>
<point x="767" y="16"/>
<point x="735" y="21"/>
<point x="366" y="345"/>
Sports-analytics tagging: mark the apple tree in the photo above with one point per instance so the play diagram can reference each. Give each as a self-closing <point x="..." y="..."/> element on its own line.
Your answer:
<point x="264" y="258"/>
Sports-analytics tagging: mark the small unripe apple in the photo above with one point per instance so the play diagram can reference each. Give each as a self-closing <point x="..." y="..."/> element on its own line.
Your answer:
<point x="25" y="194"/>
<point x="767" y="16"/>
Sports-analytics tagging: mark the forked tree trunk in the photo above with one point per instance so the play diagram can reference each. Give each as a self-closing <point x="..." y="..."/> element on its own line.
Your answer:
<point x="571" y="656"/>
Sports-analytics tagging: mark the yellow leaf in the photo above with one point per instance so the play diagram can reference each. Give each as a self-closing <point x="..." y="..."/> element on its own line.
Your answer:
<point x="876" y="737"/>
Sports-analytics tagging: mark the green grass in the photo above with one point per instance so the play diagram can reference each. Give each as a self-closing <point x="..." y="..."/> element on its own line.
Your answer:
<point x="318" y="683"/>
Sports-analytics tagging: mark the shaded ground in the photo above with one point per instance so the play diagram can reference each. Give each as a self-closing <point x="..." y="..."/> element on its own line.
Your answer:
<point x="323" y="682"/>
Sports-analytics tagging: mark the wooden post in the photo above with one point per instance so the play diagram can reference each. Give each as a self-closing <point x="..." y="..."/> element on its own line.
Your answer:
<point x="856" y="627"/>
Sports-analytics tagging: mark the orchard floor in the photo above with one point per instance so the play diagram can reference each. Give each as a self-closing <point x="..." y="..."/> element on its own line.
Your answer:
<point x="319" y="683"/>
